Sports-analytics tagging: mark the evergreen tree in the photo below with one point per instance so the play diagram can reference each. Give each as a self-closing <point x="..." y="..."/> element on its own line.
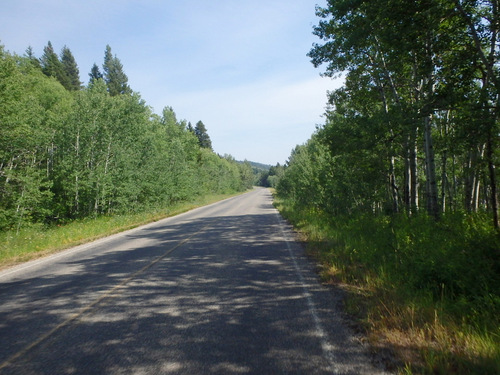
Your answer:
<point x="95" y="74"/>
<point x="201" y="132"/>
<point x="51" y="66"/>
<point x="70" y="70"/>
<point x="64" y="70"/>
<point x="30" y="55"/>
<point x="115" y="77"/>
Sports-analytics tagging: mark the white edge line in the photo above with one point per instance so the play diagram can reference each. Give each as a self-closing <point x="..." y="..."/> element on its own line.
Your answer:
<point x="325" y="342"/>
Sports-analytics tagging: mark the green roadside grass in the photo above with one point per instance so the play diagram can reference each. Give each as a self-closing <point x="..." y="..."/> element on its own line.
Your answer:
<point x="427" y="293"/>
<point x="38" y="241"/>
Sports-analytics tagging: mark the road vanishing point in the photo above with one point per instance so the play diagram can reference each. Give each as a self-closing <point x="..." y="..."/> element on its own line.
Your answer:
<point x="222" y="289"/>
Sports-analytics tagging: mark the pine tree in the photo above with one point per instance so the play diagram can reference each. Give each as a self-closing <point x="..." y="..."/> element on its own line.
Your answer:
<point x="64" y="70"/>
<point x="51" y="66"/>
<point x="95" y="74"/>
<point x="116" y="79"/>
<point x="70" y="69"/>
<point x="201" y="132"/>
<point x="30" y="55"/>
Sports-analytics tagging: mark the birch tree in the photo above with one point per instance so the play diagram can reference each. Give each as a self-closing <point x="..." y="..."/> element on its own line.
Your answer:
<point x="404" y="51"/>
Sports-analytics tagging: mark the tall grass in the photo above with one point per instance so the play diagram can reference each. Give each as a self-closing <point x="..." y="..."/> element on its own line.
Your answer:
<point x="430" y="290"/>
<point x="39" y="240"/>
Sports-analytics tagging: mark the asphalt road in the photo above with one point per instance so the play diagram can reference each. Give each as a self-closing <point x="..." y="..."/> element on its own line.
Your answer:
<point x="222" y="289"/>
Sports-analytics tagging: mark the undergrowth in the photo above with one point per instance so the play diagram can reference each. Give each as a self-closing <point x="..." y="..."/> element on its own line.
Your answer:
<point x="429" y="290"/>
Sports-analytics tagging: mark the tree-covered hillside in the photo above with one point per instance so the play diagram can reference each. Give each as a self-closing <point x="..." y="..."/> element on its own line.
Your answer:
<point x="70" y="151"/>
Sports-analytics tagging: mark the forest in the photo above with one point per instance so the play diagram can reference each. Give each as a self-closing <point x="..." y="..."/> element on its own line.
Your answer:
<point x="71" y="151"/>
<point x="398" y="189"/>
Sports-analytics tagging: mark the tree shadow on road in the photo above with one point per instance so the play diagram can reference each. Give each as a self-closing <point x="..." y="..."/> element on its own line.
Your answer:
<point x="227" y="300"/>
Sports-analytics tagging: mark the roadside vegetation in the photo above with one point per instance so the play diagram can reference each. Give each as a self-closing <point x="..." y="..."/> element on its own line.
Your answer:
<point x="39" y="240"/>
<point x="426" y="292"/>
<point x="81" y="161"/>
<point x="396" y="193"/>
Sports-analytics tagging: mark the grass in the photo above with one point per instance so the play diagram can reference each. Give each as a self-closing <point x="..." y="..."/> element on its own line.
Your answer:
<point x="38" y="240"/>
<point x="427" y="292"/>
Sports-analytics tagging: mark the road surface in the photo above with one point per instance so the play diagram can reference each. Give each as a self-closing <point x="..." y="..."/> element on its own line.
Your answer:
<point x="222" y="289"/>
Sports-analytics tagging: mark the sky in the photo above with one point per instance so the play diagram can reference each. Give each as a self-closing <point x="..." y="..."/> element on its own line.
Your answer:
<point x="240" y="66"/>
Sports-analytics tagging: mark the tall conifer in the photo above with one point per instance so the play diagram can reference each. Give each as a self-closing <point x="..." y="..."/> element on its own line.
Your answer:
<point x="95" y="73"/>
<point x="51" y="66"/>
<point x="30" y="55"/>
<point x="70" y="70"/>
<point x="203" y="138"/>
<point x="115" y="77"/>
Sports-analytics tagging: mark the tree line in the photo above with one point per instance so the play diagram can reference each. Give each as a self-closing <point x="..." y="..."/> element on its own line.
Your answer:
<point x="69" y="150"/>
<point x="415" y="128"/>
<point x="404" y="169"/>
<point x="397" y="190"/>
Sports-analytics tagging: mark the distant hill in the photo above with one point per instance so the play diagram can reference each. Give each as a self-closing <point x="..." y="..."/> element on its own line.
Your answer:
<point x="255" y="165"/>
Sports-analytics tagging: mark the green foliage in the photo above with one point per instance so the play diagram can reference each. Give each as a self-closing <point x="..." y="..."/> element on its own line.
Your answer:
<point x="29" y="105"/>
<point x="77" y="153"/>
<point x="271" y="176"/>
<point x="396" y="187"/>
<point x="95" y="74"/>
<point x="418" y="112"/>
<point x="247" y="175"/>
<point x="434" y="283"/>
<point x="203" y="138"/>
<point x="455" y="260"/>
<point x="51" y="66"/>
<point x="70" y="69"/>
<point x="65" y="69"/>
<point x="30" y="56"/>
<point x="115" y="77"/>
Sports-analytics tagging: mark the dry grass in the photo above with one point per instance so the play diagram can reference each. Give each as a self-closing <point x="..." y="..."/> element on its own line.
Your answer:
<point x="422" y="339"/>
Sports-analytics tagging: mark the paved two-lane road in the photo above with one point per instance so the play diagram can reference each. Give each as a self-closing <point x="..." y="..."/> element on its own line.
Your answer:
<point x="222" y="289"/>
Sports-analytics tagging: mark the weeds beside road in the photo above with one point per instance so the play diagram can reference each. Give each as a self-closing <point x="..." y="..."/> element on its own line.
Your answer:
<point x="432" y="291"/>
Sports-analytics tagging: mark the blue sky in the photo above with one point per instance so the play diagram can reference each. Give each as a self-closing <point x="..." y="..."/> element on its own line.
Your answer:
<point x="240" y="66"/>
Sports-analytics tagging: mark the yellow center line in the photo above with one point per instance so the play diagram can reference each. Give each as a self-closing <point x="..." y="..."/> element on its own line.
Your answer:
<point x="87" y="308"/>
